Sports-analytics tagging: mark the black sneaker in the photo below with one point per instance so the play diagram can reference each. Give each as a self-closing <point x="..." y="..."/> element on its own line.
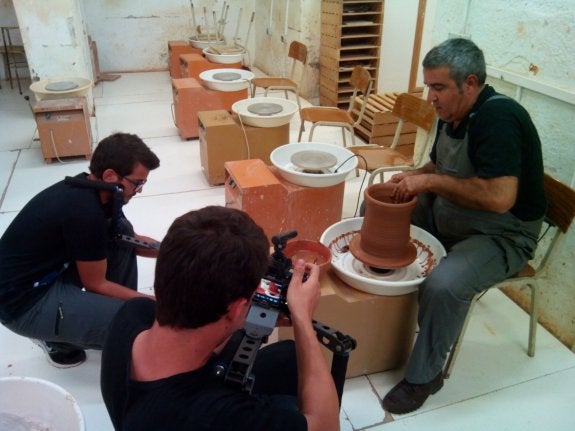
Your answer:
<point x="406" y="397"/>
<point x="61" y="355"/>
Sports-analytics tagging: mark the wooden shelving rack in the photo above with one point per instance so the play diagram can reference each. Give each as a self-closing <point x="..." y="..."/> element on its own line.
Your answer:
<point x="350" y="35"/>
<point x="378" y="124"/>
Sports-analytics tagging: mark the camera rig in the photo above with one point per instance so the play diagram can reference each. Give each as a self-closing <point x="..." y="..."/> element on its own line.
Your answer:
<point x="261" y="321"/>
<point x="117" y="203"/>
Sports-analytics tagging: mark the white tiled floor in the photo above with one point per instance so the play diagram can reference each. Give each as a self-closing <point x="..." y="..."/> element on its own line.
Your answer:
<point x="495" y="385"/>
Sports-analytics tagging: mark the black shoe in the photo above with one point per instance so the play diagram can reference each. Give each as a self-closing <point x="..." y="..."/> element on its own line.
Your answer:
<point x="406" y="397"/>
<point x="61" y="355"/>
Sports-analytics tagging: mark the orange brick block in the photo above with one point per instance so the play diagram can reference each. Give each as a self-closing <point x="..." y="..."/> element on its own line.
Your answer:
<point x="175" y="49"/>
<point x="278" y="205"/>
<point x="190" y="97"/>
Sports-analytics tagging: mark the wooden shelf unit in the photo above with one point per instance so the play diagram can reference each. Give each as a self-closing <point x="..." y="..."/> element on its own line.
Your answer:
<point x="350" y="36"/>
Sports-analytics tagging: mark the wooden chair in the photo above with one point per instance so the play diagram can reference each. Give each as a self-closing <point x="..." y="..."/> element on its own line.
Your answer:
<point x="377" y="159"/>
<point x="298" y="53"/>
<point x="361" y="82"/>
<point x="558" y="218"/>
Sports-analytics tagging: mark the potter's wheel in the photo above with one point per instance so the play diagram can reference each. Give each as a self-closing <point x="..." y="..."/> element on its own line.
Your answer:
<point x="357" y="274"/>
<point x="264" y="108"/>
<point x="227" y="76"/>
<point x="313" y="160"/>
<point x="61" y="86"/>
<point x="386" y="262"/>
<point x="265" y="111"/>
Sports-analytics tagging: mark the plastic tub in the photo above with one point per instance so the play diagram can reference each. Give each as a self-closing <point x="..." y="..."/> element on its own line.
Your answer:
<point x="28" y="403"/>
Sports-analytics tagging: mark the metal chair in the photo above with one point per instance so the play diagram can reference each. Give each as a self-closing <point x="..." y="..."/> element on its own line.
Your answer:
<point x="14" y="56"/>
<point x="558" y="218"/>
<point x="298" y="53"/>
<point x="361" y="82"/>
<point x="377" y="159"/>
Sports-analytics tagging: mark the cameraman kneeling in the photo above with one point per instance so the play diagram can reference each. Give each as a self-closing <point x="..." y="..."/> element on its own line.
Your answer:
<point x="158" y="361"/>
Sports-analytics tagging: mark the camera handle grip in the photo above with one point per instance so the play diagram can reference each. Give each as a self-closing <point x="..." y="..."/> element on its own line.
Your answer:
<point x="340" y="345"/>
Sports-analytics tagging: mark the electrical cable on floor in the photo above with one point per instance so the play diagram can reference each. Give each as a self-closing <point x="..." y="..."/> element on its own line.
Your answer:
<point x="33" y="137"/>
<point x="54" y="147"/>
<point x="247" y="144"/>
<point x="173" y="114"/>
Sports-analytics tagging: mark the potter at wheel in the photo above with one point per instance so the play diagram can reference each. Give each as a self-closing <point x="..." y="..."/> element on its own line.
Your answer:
<point x="313" y="160"/>
<point x="226" y="76"/>
<point x="61" y="86"/>
<point x="265" y="108"/>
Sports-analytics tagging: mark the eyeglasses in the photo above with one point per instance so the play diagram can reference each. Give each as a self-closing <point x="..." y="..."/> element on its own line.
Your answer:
<point x="138" y="184"/>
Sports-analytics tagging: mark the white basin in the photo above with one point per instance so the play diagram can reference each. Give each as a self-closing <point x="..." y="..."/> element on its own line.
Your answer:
<point x="286" y="109"/>
<point x="398" y="281"/>
<point x="226" y="79"/>
<point x="204" y="42"/>
<point x="60" y="88"/>
<point x="33" y="404"/>
<point x="345" y="163"/>
<point x="223" y="58"/>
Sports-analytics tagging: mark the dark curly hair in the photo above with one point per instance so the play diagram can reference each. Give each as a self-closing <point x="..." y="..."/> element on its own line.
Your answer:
<point x="121" y="152"/>
<point x="209" y="258"/>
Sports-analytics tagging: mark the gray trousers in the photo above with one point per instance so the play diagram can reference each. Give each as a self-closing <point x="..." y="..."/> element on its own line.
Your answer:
<point x="69" y="314"/>
<point x="472" y="265"/>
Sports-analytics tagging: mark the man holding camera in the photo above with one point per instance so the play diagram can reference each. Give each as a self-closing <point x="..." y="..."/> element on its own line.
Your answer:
<point x="158" y="362"/>
<point x="63" y="274"/>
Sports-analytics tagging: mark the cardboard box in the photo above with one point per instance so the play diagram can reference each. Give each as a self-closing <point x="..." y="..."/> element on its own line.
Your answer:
<point x="383" y="326"/>
<point x="191" y="65"/>
<point x="278" y="205"/>
<point x="175" y="49"/>
<point x="64" y="127"/>
<point x="223" y="139"/>
<point x="190" y="97"/>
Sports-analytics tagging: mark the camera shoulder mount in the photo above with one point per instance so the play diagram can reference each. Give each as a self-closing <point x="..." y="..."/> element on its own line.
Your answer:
<point x="117" y="203"/>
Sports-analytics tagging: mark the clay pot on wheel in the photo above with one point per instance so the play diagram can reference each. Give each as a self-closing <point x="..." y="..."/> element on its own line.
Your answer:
<point x="384" y="240"/>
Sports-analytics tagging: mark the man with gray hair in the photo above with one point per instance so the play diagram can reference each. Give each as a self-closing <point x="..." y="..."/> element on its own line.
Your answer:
<point x="481" y="195"/>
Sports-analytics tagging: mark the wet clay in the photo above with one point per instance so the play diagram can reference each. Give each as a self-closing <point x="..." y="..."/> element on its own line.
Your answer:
<point x="384" y="240"/>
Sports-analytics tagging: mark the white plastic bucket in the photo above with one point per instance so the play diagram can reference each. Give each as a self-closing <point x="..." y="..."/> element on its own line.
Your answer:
<point x="32" y="404"/>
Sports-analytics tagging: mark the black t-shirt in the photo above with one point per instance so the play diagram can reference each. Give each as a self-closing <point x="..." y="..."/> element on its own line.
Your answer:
<point x="503" y="141"/>
<point x="60" y="225"/>
<point x="193" y="400"/>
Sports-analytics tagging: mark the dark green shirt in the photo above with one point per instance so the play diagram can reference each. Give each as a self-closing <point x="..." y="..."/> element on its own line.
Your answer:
<point x="503" y="141"/>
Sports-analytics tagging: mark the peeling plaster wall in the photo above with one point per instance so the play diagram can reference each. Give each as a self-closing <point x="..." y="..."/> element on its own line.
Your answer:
<point x="134" y="35"/>
<point x="54" y="37"/>
<point x="275" y="33"/>
<point x="535" y="40"/>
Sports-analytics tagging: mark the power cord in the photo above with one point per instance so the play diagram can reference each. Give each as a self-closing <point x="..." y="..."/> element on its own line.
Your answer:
<point x="355" y="213"/>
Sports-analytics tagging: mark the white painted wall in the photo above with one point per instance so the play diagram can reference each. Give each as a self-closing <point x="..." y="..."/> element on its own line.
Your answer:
<point x="134" y="35"/>
<point x="274" y="32"/>
<point x="55" y="39"/>
<point x="399" y="21"/>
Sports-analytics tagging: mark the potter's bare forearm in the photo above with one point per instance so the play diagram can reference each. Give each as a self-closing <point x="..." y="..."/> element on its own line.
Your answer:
<point x="488" y="194"/>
